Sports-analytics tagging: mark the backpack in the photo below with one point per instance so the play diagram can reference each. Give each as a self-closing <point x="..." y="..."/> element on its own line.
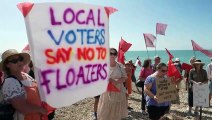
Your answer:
<point x="6" y="109"/>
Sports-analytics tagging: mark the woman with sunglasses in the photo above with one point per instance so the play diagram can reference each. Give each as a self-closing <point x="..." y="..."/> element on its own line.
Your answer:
<point x="113" y="104"/>
<point x="156" y="110"/>
<point x="19" y="89"/>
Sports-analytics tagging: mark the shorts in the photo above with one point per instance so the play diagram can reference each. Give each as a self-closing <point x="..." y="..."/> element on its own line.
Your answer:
<point x="156" y="112"/>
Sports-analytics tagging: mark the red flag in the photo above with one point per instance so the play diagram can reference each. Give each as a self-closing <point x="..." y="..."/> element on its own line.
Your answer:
<point x="124" y="46"/>
<point x="48" y="108"/>
<point x="112" y="88"/>
<point x="161" y="28"/>
<point x="110" y="10"/>
<point x="149" y="39"/>
<point x="186" y="67"/>
<point x="170" y="55"/>
<point x="26" y="48"/>
<point x="25" y="8"/>
<point x="199" y="48"/>
<point x="121" y="56"/>
<point x="172" y="71"/>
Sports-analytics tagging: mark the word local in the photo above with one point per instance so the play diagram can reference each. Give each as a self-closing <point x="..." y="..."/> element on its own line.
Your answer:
<point x="64" y="78"/>
<point x="70" y="16"/>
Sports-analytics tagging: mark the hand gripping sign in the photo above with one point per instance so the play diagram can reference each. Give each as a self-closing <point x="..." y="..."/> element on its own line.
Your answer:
<point x="69" y="43"/>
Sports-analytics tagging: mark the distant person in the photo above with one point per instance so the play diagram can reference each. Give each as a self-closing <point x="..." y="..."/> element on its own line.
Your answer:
<point x="187" y="69"/>
<point x="157" y="61"/>
<point x="209" y="73"/>
<point x="178" y="65"/>
<point x="113" y="105"/>
<point x="128" y="83"/>
<point x="196" y="76"/>
<point x="144" y="73"/>
<point x="156" y="110"/>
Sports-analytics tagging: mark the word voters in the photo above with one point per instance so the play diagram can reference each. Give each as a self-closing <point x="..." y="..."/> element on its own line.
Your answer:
<point x="64" y="55"/>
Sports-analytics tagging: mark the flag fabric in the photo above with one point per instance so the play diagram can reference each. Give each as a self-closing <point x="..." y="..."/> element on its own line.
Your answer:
<point x="199" y="48"/>
<point x="149" y="39"/>
<point x="110" y="10"/>
<point x="161" y="28"/>
<point x="138" y="62"/>
<point x="124" y="46"/>
<point x="26" y="48"/>
<point x="121" y="57"/>
<point x="186" y="67"/>
<point x="173" y="71"/>
<point x="170" y="55"/>
<point x="112" y="88"/>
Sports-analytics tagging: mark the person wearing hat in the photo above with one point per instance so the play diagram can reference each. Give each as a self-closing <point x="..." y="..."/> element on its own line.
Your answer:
<point x="19" y="89"/>
<point x="128" y="83"/>
<point x="157" y="61"/>
<point x="209" y="73"/>
<point x="197" y="75"/>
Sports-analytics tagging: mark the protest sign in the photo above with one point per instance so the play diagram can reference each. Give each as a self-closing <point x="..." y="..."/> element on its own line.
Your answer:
<point x="69" y="43"/>
<point x="166" y="90"/>
<point x="200" y="95"/>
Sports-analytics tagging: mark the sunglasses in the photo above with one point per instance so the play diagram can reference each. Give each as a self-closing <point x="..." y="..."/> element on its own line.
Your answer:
<point x="14" y="61"/>
<point x="111" y="53"/>
<point x="163" y="71"/>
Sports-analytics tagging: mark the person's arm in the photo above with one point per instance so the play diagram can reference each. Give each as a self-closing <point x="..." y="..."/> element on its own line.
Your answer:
<point x="147" y="91"/>
<point x="142" y="73"/>
<point x="21" y="105"/>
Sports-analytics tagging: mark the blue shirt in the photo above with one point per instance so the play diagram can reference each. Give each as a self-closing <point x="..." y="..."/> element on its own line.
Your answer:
<point x="151" y="101"/>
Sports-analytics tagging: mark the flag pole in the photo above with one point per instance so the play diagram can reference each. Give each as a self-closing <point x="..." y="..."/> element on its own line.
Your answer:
<point x="156" y="43"/>
<point x="147" y="52"/>
<point x="193" y="49"/>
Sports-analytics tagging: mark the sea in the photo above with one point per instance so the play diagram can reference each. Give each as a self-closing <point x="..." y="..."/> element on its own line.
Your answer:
<point x="184" y="56"/>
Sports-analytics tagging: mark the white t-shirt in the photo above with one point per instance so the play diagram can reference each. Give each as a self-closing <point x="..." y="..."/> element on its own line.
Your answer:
<point x="12" y="88"/>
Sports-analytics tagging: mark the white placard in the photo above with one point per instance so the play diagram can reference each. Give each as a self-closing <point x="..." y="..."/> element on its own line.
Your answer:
<point x="200" y="95"/>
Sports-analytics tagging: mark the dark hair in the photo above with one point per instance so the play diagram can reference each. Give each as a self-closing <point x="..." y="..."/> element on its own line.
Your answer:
<point x="114" y="50"/>
<point x="160" y="65"/>
<point x="146" y="63"/>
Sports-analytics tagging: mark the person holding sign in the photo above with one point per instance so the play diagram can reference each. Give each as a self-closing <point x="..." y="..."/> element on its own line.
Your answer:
<point x="209" y="72"/>
<point x="156" y="110"/>
<point x="19" y="89"/>
<point x="113" y="104"/>
<point x="197" y="75"/>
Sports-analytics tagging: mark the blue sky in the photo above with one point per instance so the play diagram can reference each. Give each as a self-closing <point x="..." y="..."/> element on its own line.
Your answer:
<point x="187" y="20"/>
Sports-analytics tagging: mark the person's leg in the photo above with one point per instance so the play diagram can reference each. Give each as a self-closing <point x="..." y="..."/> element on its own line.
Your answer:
<point x="96" y="105"/>
<point x="143" y="101"/>
<point x="190" y="100"/>
<point x="154" y="112"/>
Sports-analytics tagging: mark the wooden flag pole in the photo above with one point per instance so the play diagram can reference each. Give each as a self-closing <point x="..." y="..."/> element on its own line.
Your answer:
<point x="193" y="49"/>
<point x="200" y="116"/>
<point x="147" y="52"/>
<point x="156" y="43"/>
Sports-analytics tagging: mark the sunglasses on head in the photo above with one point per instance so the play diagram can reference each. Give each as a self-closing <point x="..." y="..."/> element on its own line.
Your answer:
<point x="111" y="53"/>
<point x="14" y="61"/>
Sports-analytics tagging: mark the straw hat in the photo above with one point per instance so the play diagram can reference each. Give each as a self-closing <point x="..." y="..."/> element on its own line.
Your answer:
<point x="197" y="61"/>
<point x="12" y="52"/>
